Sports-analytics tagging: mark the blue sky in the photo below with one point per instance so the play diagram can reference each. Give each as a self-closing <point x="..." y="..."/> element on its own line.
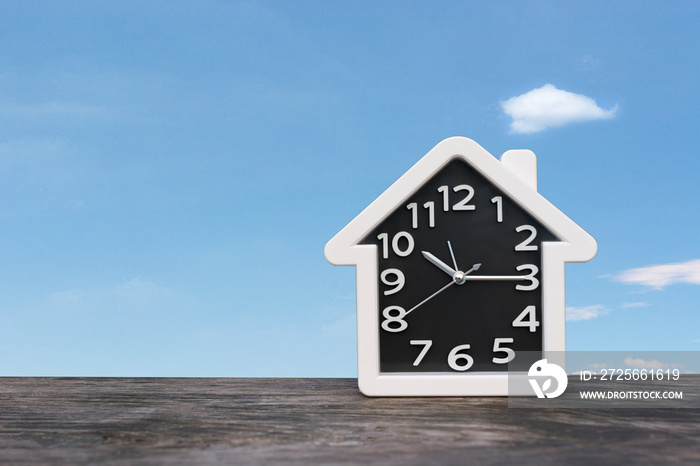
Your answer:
<point x="171" y="171"/>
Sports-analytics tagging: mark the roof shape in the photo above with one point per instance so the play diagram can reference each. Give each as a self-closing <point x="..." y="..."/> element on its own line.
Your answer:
<point x="515" y="174"/>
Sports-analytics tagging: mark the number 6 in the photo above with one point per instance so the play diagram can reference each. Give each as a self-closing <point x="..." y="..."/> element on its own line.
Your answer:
<point x="454" y="357"/>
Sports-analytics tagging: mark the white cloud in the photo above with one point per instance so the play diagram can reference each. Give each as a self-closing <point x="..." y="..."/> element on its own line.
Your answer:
<point x="639" y="363"/>
<point x="598" y="365"/>
<point x="548" y="107"/>
<point x="632" y="305"/>
<point x="585" y="312"/>
<point x="660" y="276"/>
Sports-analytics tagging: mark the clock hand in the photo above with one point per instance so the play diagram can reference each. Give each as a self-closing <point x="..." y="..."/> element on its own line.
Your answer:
<point x="439" y="264"/>
<point x="460" y="277"/>
<point x="497" y="277"/>
<point x="430" y="297"/>
<point x="474" y="267"/>
<point x="454" y="261"/>
<point x="457" y="278"/>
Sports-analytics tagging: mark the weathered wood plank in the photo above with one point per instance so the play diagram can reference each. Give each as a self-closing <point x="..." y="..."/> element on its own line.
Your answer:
<point x="119" y="421"/>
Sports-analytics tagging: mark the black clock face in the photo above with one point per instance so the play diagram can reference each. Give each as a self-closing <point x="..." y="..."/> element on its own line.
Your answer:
<point x="460" y="277"/>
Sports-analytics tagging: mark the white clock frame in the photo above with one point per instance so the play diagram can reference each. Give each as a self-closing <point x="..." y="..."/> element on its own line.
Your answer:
<point x="515" y="173"/>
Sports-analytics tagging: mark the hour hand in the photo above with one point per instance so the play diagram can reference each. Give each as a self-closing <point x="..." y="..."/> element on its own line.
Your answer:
<point x="439" y="264"/>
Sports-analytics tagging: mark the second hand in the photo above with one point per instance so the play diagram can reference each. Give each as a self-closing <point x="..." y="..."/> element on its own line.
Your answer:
<point x="430" y="297"/>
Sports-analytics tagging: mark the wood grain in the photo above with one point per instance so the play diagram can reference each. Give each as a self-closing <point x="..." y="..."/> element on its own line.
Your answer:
<point x="125" y="421"/>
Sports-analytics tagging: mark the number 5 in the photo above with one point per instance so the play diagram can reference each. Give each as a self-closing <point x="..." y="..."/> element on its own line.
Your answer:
<point x="510" y="354"/>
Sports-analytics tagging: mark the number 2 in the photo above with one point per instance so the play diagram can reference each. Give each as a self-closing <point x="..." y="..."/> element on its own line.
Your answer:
<point x="525" y="245"/>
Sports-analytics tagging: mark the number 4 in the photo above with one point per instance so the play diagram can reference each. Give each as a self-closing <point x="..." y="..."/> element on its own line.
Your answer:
<point x="527" y="318"/>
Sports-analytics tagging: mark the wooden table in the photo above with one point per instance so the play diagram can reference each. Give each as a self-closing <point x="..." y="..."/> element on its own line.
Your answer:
<point x="129" y="421"/>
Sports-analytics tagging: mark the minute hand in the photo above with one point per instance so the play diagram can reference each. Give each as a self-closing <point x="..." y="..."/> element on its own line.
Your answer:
<point x="496" y="277"/>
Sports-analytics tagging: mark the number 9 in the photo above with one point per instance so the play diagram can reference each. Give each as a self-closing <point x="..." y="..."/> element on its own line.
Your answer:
<point x="398" y="283"/>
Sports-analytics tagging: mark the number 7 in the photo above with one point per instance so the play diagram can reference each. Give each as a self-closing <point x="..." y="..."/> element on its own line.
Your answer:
<point x="427" y="344"/>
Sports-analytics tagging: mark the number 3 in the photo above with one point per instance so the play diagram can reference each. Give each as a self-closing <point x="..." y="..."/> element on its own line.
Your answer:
<point x="534" y="283"/>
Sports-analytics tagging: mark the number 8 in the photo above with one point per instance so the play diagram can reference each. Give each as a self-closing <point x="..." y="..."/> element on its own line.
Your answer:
<point x="389" y="319"/>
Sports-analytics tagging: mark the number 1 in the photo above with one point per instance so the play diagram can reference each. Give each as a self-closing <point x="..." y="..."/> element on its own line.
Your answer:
<point x="498" y="200"/>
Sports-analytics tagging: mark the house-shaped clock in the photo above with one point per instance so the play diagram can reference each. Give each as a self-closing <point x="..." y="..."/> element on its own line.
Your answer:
<point x="460" y="274"/>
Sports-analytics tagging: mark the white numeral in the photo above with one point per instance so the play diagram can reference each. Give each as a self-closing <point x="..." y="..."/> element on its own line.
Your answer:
<point x="461" y="205"/>
<point x="413" y="207"/>
<point x="498" y="200"/>
<point x="531" y="322"/>
<point x="398" y="319"/>
<point x="510" y="354"/>
<point x="395" y="244"/>
<point x="454" y="358"/>
<point x="397" y="284"/>
<point x="534" y="283"/>
<point x="525" y="245"/>
<point x="445" y="197"/>
<point x="431" y="213"/>
<point x="426" y="346"/>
